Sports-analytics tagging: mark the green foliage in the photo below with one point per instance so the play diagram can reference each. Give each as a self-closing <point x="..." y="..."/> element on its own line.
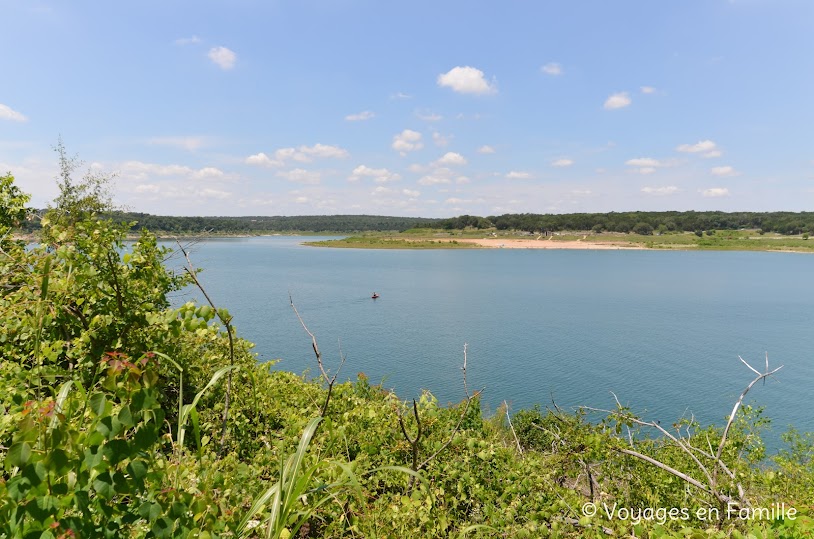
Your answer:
<point x="113" y="424"/>
<point x="13" y="209"/>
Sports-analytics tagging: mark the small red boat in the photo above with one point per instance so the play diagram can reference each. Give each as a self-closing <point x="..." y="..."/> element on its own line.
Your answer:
<point x="375" y="295"/>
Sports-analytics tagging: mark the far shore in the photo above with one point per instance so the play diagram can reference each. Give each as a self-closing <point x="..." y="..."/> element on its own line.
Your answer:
<point x="500" y="243"/>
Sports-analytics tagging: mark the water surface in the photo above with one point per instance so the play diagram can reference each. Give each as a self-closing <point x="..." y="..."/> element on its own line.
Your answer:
<point x="661" y="329"/>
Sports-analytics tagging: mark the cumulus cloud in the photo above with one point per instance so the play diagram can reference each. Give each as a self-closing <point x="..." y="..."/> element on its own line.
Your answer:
<point x="360" y="116"/>
<point x="706" y="148"/>
<point x="411" y="193"/>
<point x="486" y="149"/>
<point x="401" y="95"/>
<point x="724" y="171"/>
<point x="561" y="163"/>
<point x="553" y="68"/>
<point x="442" y="175"/>
<point x="222" y="57"/>
<point x="407" y="141"/>
<point x="617" y="101"/>
<point x="7" y="113"/>
<point x="518" y="175"/>
<point x="647" y="165"/>
<point x="299" y="175"/>
<point x="302" y="154"/>
<point x="379" y="175"/>
<point x="715" y="192"/>
<point x="466" y="80"/>
<point x="138" y="170"/>
<point x="440" y="140"/>
<point x="666" y="190"/>
<point x="450" y="158"/>
<point x="648" y="90"/>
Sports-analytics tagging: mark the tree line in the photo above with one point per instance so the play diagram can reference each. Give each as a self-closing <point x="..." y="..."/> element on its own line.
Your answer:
<point x="624" y="222"/>
<point x="640" y="222"/>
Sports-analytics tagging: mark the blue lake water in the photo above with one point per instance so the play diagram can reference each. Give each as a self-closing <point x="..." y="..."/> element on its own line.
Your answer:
<point x="661" y="329"/>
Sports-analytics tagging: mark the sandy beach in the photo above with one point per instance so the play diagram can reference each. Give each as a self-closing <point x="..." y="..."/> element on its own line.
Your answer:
<point x="500" y="243"/>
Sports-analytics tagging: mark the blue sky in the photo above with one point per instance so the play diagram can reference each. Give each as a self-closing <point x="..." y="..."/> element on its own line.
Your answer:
<point x="415" y="108"/>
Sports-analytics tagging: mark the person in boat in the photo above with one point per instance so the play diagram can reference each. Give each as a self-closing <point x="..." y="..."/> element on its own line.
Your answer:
<point x="375" y="295"/>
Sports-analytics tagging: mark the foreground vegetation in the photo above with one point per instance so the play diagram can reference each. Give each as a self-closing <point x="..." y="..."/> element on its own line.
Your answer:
<point x="125" y="417"/>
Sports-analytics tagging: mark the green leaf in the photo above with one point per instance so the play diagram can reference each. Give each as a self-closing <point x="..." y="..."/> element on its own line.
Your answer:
<point x="18" y="454"/>
<point x="137" y="469"/>
<point x="116" y="451"/>
<point x="149" y="511"/>
<point x="162" y="528"/>
<point x="103" y="485"/>
<point x="97" y="403"/>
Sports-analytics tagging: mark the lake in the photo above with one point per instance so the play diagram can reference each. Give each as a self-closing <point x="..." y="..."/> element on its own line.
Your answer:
<point x="661" y="329"/>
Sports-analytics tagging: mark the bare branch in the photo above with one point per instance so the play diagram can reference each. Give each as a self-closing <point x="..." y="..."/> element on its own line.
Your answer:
<point x="509" y="419"/>
<point x="227" y="322"/>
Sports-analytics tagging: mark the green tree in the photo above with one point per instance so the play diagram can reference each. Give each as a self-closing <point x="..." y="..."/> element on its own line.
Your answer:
<point x="79" y="199"/>
<point x="13" y="210"/>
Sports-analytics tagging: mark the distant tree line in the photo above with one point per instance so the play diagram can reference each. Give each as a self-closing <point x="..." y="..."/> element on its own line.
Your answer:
<point x="640" y="222"/>
<point x="260" y="225"/>
<point x="636" y="222"/>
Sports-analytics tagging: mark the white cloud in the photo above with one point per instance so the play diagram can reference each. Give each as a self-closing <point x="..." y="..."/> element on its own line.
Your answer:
<point x="299" y="175"/>
<point x="450" y="158"/>
<point x="724" y="171"/>
<point x="7" y="113"/>
<point x="411" y="193"/>
<point x="666" y="190"/>
<point x="303" y="154"/>
<point x="407" y="141"/>
<point x="440" y="140"/>
<point x="462" y="180"/>
<point x="715" y="192"/>
<point x="648" y="90"/>
<point x="553" y="68"/>
<point x="438" y="176"/>
<point x="301" y="200"/>
<point x="187" y="143"/>
<point x="360" y="116"/>
<point x="582" y="192"/>
<point x="379" y="175"/>
<point x="224" y="58"/>
<point x="486" y="149"/>
<point x="707" y="148"/>
<point x="214" y="193"/>
<point x="380" y="190"/>
<point x="466" y="80"/>
<point x="564" y="162"/>
<point x="617" y="101"/>
<point x="518" y="175"/>
<point x="648" y="165"/>
<point x="401" y="95"/>
<point x="194" y="40"/>
<point x="417" y="168"/>
<point x="429" y="116"/>
<point x="138" y="170"/>
<point x="643" y="162"/>
<point x="147" y="188"/>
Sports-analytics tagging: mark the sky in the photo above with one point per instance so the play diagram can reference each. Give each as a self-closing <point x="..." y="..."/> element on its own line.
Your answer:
<point x="421" y="108"/>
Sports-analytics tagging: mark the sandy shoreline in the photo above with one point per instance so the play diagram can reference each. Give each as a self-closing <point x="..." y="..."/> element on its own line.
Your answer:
<point x="500" y="243"/>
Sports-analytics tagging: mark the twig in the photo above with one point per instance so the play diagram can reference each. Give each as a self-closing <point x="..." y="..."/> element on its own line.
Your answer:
<point x="227" y="322"/>
<point x="509" y="419"/>
<point x="412" y="441"/>
<point x="330" y="380"/>
<point x="760" y="377"/>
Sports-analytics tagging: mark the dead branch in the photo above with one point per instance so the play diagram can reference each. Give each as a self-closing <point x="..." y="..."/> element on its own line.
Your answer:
<point x="467" y="403"/>
<point x="227" y="322"/>
<point x="685" y="444"/>
<point x="330" y="380"/>
<point x="509" y="419"/>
